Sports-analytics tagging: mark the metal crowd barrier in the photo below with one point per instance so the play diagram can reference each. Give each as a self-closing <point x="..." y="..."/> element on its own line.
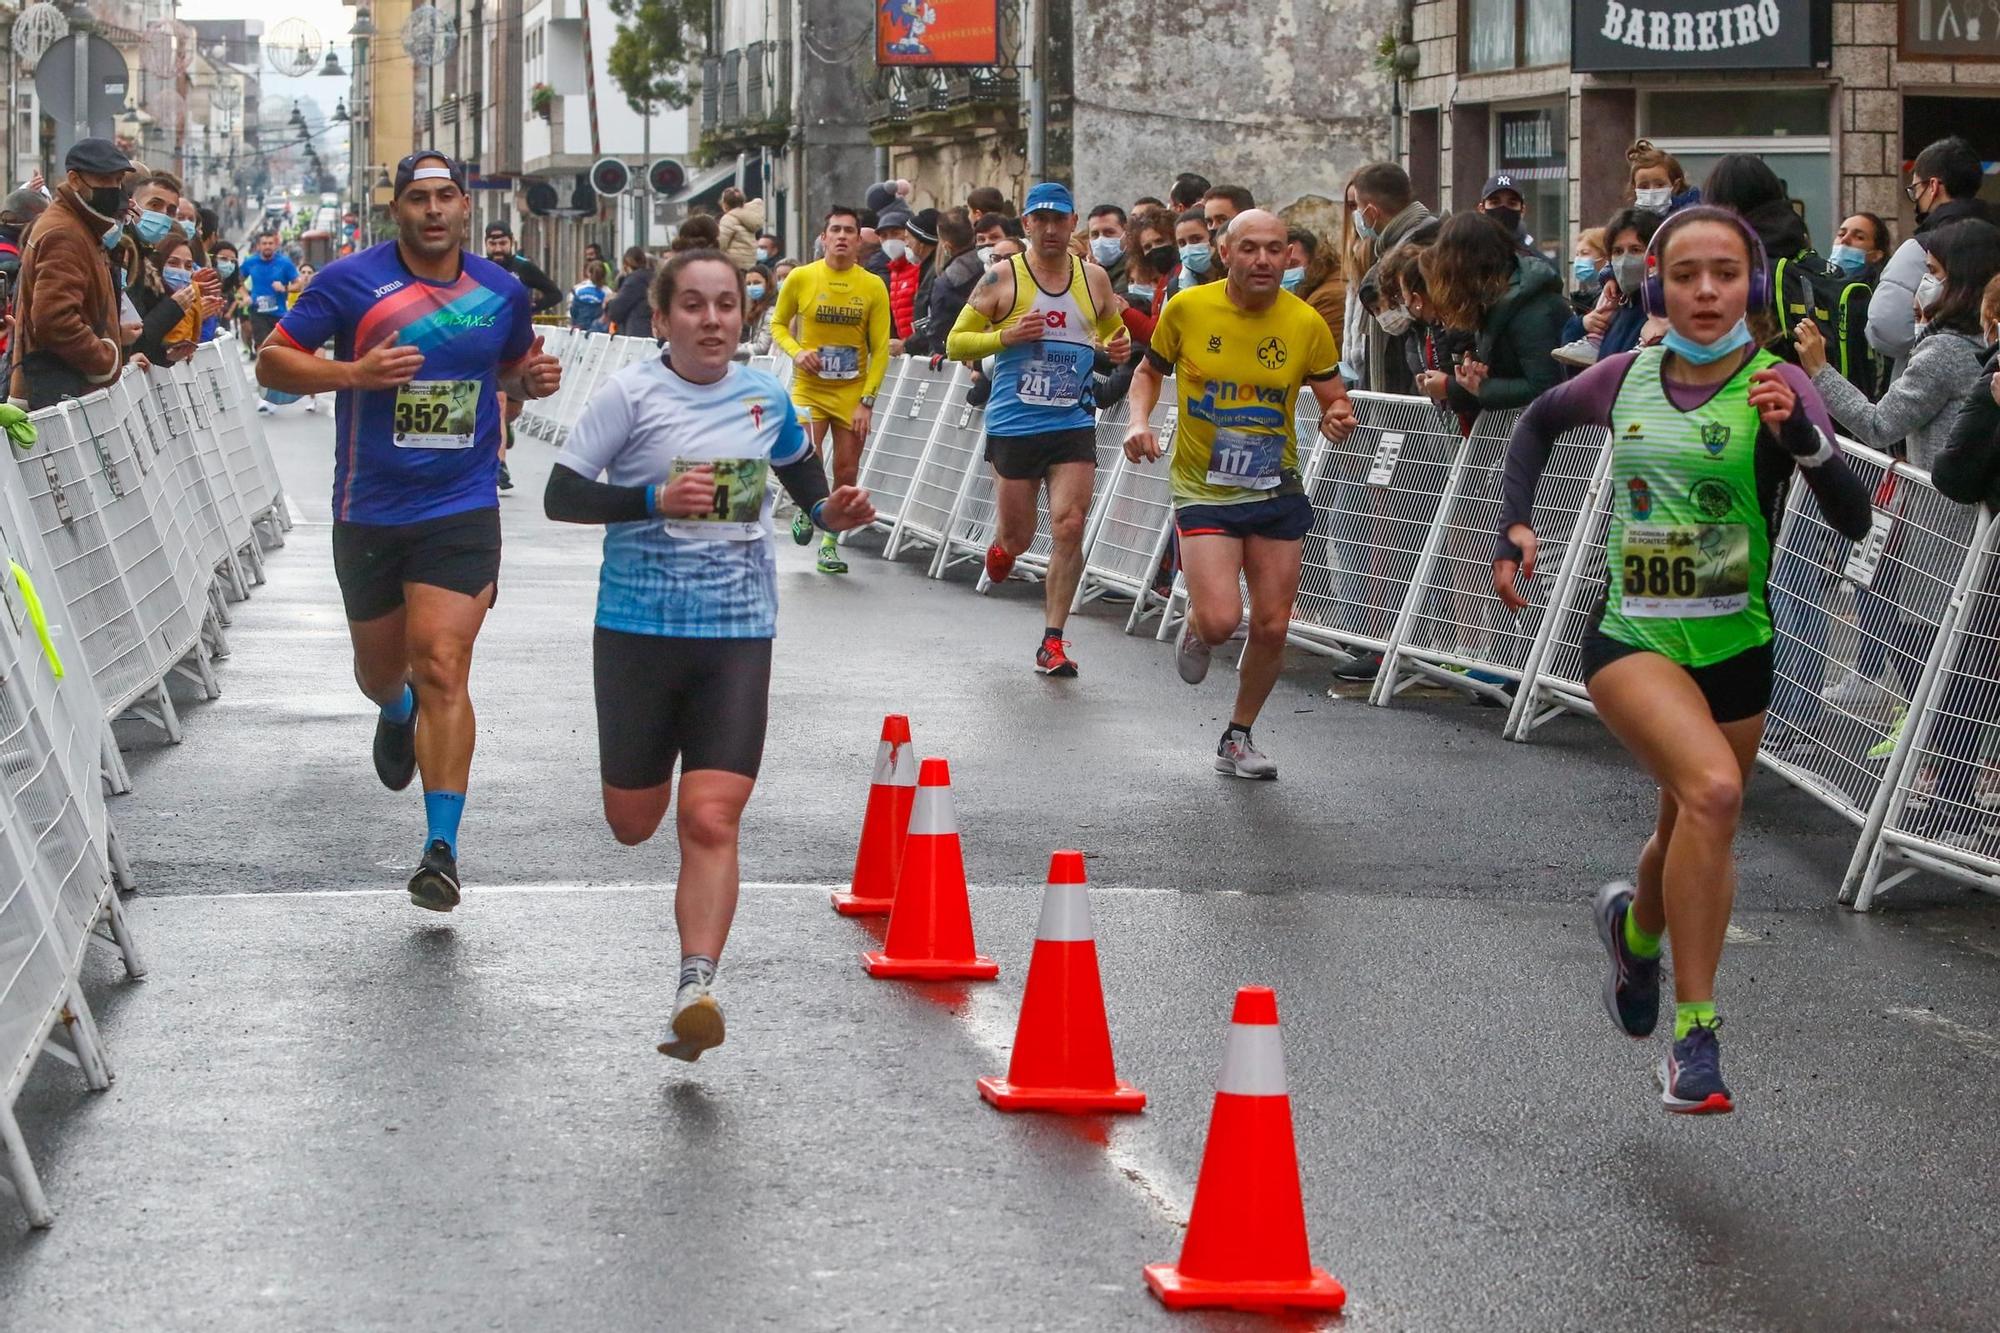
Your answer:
<point x="125" y="528"/>
<point x="1887" y="651"/>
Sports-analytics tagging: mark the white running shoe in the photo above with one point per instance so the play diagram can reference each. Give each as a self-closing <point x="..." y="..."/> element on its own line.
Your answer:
<point x="697" y="1024"/>
<point x="312" y="403"/>
<point x="1857" y="693"/>
<point x="1582" y="352"/>
<point x="1191" y="655"/>
<point x="264" y="408"/>
<point x="1237" y="757"/>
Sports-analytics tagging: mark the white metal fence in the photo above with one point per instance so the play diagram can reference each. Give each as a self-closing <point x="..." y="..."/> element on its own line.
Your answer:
<point x="1887" y="650"/>
<point x="127" y="527"/>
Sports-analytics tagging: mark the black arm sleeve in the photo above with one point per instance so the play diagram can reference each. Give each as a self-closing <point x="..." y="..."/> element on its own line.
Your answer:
<point x="572" y="497"/>
<point x="1968" y="469"/>
<point x="546" y="296"/>
<point x="804" y="481"/>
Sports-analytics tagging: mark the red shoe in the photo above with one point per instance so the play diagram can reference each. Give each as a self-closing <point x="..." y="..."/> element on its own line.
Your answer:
<point x="998" y="563"/>
<point x="1050" y="659"/>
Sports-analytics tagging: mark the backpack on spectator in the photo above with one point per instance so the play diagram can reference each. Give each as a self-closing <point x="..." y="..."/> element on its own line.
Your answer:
<point x="1808" y="287"/>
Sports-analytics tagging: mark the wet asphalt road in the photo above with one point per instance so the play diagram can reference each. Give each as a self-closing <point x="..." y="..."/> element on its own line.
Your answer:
<point x="334" y="1111"/>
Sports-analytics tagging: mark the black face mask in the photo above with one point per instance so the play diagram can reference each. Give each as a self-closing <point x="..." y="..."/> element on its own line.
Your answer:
<point x="108" y="201"/>
<point x="1162" y="258"/>
<point x="1508" y="218"/>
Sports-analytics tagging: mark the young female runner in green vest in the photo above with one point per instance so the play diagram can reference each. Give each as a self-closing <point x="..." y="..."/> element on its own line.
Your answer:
<point x="1706" y="430"/>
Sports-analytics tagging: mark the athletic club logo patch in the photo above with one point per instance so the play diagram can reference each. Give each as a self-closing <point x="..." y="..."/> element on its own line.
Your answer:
<point x="1642" y="497"/>
<point x="1712" y="497"/>
<point x="1271" y="353"/>
<point x="757" y="416"/>
<point x="1714" y="437"/>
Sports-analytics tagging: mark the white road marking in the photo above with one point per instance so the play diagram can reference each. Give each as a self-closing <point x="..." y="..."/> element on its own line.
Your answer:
<point x="1976" y="1040"/>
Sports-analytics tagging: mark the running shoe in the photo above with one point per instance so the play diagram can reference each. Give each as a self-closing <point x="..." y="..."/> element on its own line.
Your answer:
<point x="829" y="557"/>
<point x="998" y="563"/>
<point x="435" y="885"/>
<point x="697" y="1024"/>
<point x="1237" y="757"/>
<point x="312" y="405"/>
<point x="264" y="408"/>
<point x="506" y="477"/>
<point x="1050" y="659"/>
<point x="1632" y="986"/>
<point x="1191" y="655"/>
<point x="802" y="528"/>
<point x="396" y="751"/>
<point x="1857" y="693"/>
<point x="1363" y="668"/>
<point x="1582" y="352"/>
<point x="1691" y="1075"/>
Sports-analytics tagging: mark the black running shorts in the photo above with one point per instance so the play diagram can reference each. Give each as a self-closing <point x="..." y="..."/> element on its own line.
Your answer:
<point x="459" y="552"/>
<point x="702" y="701"/>
<point x="1029" y="457"/>
<point x="1736" y="688"/>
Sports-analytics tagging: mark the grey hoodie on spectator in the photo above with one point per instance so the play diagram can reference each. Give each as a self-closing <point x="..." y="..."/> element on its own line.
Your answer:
<point x="1920" y="408"/>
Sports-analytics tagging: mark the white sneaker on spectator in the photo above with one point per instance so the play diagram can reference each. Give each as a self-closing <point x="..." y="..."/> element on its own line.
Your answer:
<point x="1582" y="352"/>
<point x="1857" y="694"/>
<point x="264" y="408"/>
<point x="312" y="403"/>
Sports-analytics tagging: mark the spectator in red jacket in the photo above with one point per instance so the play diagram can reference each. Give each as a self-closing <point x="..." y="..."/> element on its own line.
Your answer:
<point x="905" y="273"/>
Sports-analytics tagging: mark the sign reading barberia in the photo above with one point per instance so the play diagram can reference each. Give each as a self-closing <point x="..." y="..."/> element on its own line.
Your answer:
<point x="1622" y="35"/>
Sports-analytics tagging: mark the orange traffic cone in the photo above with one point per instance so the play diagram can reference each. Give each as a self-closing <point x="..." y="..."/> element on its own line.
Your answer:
<point x="884" y="825"/>
<point x="1062" y="1047"/>
<point x="1246" y="1241"/>
<point x="930" y="926"/>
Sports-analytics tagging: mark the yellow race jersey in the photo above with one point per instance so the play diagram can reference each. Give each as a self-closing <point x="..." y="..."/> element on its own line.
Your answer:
<point x="1238" y="375"/>
<point x="844" y="316"/>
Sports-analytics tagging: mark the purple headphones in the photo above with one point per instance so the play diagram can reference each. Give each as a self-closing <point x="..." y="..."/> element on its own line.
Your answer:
<point x="1653" y="292"/>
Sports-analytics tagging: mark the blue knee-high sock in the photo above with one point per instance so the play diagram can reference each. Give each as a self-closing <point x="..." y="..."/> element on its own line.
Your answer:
<point x="442" y="810"/>
<point x="399" y="712"/>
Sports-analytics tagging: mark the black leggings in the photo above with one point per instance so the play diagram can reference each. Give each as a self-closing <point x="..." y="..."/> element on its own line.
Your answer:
<point x="701" y="701"/>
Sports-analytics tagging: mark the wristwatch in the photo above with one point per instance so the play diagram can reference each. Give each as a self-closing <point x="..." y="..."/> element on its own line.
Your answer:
<point x="868" y="400"/>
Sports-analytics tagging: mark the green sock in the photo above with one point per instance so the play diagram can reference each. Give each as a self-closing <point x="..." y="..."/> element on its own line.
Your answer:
<point x="1687" y="1015"/>
<point x="1637" y="940"/>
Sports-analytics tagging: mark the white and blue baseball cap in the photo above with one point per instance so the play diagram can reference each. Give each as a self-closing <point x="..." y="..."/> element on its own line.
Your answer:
<point x="1049" y="197"/>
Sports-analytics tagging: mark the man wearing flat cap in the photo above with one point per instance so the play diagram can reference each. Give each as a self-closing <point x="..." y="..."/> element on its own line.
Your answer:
<point x="66" y="337"/>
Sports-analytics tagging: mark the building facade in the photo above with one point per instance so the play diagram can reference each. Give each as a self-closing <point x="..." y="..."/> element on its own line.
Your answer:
<point x="1837" y="95"/>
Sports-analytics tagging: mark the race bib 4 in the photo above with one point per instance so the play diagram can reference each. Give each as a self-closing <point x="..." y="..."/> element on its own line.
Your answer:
<point x="737" y="511"/>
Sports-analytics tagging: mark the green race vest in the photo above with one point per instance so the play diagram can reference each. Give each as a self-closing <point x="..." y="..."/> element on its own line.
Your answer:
<point x="1688" y="547"/>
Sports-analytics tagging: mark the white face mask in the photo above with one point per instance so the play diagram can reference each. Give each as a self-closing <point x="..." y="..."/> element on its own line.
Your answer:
<point x="1653" y="198"/>
<point x="1929" y="288"/>
<point x="1395" y="321"/>
<point x="895" y="249"/>
<point x="986" y="255"/>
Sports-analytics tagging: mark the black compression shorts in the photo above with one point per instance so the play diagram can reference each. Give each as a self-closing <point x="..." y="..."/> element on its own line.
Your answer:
<point x="372" y="561"/>
<point x="1736" y="688"/>
<point x="702" y="701"/>
<point x="1029" y="457"/>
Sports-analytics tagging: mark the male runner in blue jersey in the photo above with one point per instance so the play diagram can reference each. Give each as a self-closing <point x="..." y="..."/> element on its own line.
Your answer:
<point x="426" y="337"/>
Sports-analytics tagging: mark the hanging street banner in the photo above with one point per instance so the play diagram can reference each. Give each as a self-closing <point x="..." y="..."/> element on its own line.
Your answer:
<point x="937" y="32"/>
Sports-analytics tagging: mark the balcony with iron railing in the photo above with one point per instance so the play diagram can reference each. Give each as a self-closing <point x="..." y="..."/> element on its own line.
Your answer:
<point x="745" y="99"/>
<point x="910" y="105"/>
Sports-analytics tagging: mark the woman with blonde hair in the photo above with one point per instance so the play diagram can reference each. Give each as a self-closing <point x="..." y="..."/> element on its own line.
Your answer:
<point x="1357" y="256"/>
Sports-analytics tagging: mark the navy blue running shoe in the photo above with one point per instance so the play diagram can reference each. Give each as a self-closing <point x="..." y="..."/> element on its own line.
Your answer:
<point x="1691" y="1075"/>
<point x="1632" y="986"/>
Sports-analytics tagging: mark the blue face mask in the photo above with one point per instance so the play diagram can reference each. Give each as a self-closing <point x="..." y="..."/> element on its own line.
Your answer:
<point x="1195" y="258"/>
<point x="1584" y="269"/>
<point x="153" y="227"/>
<point x="176" y="278"/>
<point x="113" y="236"/>
<point x="1293" y="277"/>
<point x="1849" y="257"/>
<point x="1106" y="249"/>
<point x="1361" y="227"/>
<point x="225" y="267"/>
<point x="754" y="290"/>
<point x="1702" y="354"/>
<point x="187" y="228"/>
<point x="1144" y="289"/>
